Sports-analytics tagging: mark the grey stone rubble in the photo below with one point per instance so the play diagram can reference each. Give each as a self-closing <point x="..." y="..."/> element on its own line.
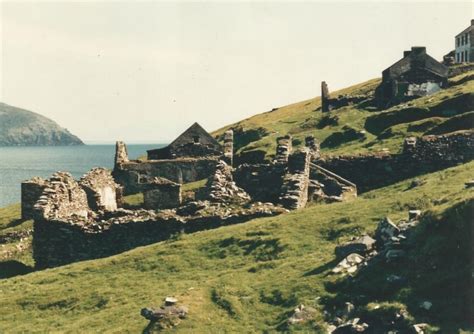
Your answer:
<point x="360" y="245"/>
<point x="166" y="316"/>
<point x="388" y="246"/>
<point x="301" y="315"/>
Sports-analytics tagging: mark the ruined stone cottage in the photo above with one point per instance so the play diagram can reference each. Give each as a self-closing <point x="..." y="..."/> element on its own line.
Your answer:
<point x="416" y="74"/>
<point x="192" y="156"/>
<point x="194" y="142"/>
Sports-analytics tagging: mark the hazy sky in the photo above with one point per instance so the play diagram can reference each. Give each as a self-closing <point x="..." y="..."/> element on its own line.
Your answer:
<point x="144" y="71"/>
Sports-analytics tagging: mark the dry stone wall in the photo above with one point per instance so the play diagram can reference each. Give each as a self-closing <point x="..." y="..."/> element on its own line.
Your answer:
<point x="294" y="190"/>
<point x="31" y="191"/>
<point x="222" y="188"/>
<point x="420" y="156"/>
<point x="162" y="193"/>
<point x="102" y="191"/>
<point x="61" y="241"/>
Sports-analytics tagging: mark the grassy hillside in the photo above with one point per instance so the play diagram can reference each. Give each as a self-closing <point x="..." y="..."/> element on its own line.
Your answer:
<point x="249" y="277"/>
<point x="360" y="128"/>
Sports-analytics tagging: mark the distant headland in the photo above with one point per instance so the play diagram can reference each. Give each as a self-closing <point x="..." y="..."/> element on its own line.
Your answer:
<point x="20" y="127"/>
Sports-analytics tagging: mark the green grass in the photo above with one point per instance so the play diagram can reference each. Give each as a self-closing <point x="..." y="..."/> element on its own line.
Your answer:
<point x="340" y="130"/>
<point x="194" y="186"/>
<point x="133" y="201"/>
<point x="249" y="277"/>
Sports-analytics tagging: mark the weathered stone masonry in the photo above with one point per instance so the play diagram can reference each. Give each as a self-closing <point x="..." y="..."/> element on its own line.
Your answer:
<point x="420" y="156"/>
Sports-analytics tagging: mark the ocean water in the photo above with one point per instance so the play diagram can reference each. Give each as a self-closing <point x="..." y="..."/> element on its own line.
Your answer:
<point x="22" y="163"/>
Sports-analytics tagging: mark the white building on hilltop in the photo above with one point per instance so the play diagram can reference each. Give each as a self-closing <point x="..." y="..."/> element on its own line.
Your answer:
<point x="464" y="43"/>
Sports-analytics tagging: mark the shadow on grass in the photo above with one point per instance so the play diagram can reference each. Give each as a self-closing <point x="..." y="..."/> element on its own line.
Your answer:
<point x="321" y="269"/>
<point x="16" y="222"/>
<point x="13" y="268"/>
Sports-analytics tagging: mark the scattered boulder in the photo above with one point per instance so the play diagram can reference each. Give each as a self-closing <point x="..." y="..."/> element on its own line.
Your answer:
<point x="420" y="328"/>
<point x="302" y="314"/>
<point x="349" y="264"/>
<point x="361" y="245"/>
<point x="351" y="326"/>
<point x="167" y="316"/>
<point x="469" y="184"/>
<point x="426" y="305"/>
<point x="414" y="214"/>
<point x="385" y="231"/>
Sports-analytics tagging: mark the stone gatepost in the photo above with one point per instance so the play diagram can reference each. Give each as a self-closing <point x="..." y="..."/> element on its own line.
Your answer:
<point x="229" y="147"/>
<point x="284" y="148"/>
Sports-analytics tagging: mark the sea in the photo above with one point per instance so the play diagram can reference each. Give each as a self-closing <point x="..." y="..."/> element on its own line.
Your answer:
<point x="22" y="163"/>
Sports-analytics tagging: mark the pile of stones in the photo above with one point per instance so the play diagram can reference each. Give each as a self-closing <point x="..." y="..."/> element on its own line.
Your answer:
<point x="388" y="245"/>
<point x="168" y="315"/>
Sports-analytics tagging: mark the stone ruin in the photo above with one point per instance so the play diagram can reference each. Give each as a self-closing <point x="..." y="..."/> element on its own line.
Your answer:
<point x="328" y="103"/>
<point x="85" y="219"/>
<point x="62" y="196"/>
<point x="161" y="193"/>
<point x="292" y="179"/>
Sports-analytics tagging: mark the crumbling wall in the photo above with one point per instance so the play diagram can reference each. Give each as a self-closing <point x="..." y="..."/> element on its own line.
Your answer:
<point x="222" y="188"/>
<point x="131" y="175"/>
<point x="61" y="241"/>
<point x="328" y="103"/>
<point x="261" y="181"/>
<point x="229" y="147"/>
<point x="101" y="190"/>
<point x="283" y="149"/>
<point x="161" y="193"/>
<point x="62" y="197"/>
<point x="332" y="186"/>
<point x="31" y="191"/>
<point x="294" y="190"/>
<point x="420" y="156"/>
<point x="121" y="153"/>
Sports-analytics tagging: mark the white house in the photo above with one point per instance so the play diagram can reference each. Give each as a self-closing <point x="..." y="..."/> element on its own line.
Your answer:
<point x="464" y="43"/>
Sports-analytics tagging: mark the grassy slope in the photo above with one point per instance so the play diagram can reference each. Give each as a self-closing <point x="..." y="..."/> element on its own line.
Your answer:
<point x="242" y="278"/>
<point x="304" y="118"/>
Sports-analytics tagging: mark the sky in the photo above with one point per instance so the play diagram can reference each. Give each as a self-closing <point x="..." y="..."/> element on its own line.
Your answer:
<point x="143" y="72"/>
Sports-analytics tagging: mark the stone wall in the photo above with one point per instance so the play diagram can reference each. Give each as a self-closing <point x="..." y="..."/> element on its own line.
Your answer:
<point x="261" y="181"/>
<point x="62" y="197"/>
<point x="332" y="186"/>
<point x="328" y="103"/>
<point x="221" y="187"/>
<point x="162" y="193"/>
<point x="133" y="175"/>
<point x="294" y="190"/>
<point x="31" y="191"/>
<point x="101" y="189"/>
<point x="229" y="147"/>
<point x="61" y="241"/>
<point x="420" y="156"/>
<point x="283" y="149"/>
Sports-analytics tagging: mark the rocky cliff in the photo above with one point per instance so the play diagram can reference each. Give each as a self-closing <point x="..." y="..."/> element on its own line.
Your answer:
<point x="19" y="127"/>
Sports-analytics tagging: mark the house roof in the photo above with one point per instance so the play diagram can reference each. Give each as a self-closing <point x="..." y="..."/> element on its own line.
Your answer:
<point x="415" y="58"/>
<point x="471" y="27"/>
<point x="188" y="136"/>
